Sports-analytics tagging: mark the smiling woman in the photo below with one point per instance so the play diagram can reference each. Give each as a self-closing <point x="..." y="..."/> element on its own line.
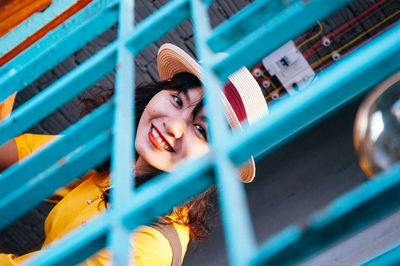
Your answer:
<point x="171" y="126"/>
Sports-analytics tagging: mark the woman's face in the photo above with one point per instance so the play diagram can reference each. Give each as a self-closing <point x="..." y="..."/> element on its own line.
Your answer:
<point x="171" y="128"/>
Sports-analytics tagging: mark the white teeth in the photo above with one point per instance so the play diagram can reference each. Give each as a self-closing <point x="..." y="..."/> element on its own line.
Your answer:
<point x="162" y="143"/>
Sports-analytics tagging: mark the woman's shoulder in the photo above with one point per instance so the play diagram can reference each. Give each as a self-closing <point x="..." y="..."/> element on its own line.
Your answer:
<point x="152" y="247"/>
<point x="28" y="143"/>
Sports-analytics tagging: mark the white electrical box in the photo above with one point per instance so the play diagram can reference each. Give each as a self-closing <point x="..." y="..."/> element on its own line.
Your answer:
<point x="290" y="67"/>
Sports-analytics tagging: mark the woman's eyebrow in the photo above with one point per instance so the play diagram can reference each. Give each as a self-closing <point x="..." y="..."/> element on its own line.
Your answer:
<point x="186" y="95"/>
<point x="197" y="109"/>
<point x="203" y="118"/>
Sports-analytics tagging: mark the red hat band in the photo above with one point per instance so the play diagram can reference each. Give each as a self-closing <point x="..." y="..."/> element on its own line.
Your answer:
<point x="233" y="97"/>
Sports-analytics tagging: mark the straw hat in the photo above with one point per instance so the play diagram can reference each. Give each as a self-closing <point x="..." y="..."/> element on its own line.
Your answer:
<point x="242" y="96"/>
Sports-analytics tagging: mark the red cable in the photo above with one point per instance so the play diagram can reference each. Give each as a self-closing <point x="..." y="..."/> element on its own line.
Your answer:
<point x="343" y="26"/>
<point x="356" y="46"/>
<point x="342" y="33"/>
<point x="302" y="36"/>
<point x="307" y="54"/>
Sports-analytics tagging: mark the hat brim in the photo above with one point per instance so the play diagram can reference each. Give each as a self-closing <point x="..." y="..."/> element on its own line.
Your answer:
<point x="172" y="60"/>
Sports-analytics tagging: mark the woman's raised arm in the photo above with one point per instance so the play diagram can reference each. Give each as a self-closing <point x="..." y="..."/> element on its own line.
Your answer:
<point x="8" y="154"/>
<point x="18" y="148"/>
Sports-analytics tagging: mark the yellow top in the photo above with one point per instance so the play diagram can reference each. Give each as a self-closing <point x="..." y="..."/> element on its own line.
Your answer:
<point x="30" y="143"/>
<point x="6" y="106"/>
<point x="149" y="245"/>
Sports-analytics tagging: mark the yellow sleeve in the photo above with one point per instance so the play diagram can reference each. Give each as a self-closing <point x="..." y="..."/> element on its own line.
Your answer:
<point x="11" y="259"/>
<point x="7" y="260"/>
<point x="6" y="106"/>
<point x="150" y="247"/>
<point x="28" y="143"/>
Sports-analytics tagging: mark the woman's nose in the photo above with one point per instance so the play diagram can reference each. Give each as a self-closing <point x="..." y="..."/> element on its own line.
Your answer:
<point x="175" y="127"/>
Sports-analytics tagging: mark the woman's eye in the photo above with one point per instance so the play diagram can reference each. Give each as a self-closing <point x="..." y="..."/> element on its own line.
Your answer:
<point x="177" y="100"/>
<point x="201" y="130"/>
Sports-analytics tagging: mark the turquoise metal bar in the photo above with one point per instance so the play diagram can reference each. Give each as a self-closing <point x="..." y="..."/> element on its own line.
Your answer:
<point x="54" y="36"/>
<point x="70" y="36"/>
<point x="341" y="82"/>
<point x="33" y="24"/>
<point x="58" y="93"/>
<point x="265" y="39"/>
<point x="72" y="138"/>
<point x="158" y="24"/>
<point x="81" y="244"/>
<point x="390" y="257"/>
<point x="154" y="199"/>
<point x="122" y="155"/>
<point x="347" y="214"/>
<point x="9" y="129"/>
<point x="236" y="218"/>
<point x="30" y="194"/>
<point x="16" y="76"/>
<point x="124" y="134"/>
<point x="217" y="123"/>
<point x="239" y="235"/>
<point x="150" y="200"/>
<point x="145" y="32"/>
<point x="243" y="23"/>
<point x="379" y="54"/>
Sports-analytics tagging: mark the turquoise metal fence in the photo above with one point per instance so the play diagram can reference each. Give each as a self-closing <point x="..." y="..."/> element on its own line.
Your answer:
<point x="105" y="132"/>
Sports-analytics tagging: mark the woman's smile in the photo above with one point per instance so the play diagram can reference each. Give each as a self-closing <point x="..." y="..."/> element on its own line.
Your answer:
<point x="172" y="128"/>
<point x="158" y="140"/>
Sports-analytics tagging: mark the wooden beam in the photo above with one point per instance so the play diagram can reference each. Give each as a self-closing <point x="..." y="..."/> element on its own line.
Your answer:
<point x="41" y="32"/>
<point x="12" y="13"/>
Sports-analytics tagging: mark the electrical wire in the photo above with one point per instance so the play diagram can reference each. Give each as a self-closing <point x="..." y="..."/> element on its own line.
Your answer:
<point x="345" y="27"/>
<point x="353" y="26"/>
<point x="277" y="90"/>
<point x="339" y="32"/>
<point x="313" y="37"/>
<point x="302" y="36"/>
<point x="355" y="47"/>
<point x="273" y="85"/>
<point x="269" y="96"/>
<point x="319" y="61"/>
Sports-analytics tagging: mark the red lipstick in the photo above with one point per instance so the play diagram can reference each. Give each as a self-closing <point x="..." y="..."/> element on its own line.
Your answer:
<point x="155" y="142"/>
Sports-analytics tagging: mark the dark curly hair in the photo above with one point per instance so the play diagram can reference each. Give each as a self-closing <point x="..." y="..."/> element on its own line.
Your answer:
<point x="198" y="208"/>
